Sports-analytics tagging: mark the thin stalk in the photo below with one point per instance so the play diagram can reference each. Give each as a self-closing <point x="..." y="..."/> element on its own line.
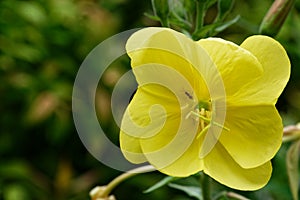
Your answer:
<point x="199" y="18"/>
<point x="106" y="190"/>
<point x="230" y="195"/>
<point x="206" y="188"/>
<point x="164" y="22"/>
<point x="122" y="177"/>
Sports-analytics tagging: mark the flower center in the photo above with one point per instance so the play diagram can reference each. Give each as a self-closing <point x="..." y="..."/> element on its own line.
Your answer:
<point x="202" y="113"/>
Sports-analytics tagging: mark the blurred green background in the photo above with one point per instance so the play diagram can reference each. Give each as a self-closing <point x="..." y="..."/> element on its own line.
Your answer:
<point x="42" y="45"/>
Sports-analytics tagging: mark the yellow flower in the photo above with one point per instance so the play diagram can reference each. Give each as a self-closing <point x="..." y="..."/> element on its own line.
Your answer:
<point x="205" y="106"/>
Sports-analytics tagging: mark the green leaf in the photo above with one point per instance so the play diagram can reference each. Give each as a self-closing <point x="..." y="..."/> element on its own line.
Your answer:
<point x="161" y="183"/>
<point x="180" y="22"/>
<point x="292" y="163"/>
<point x="153" y="17"/>
<point x="15" y="169"/>
<point x="190" y="7"/>
<point x="213" y="29"/>
<point x="204" y="31"/>
<point x="32" y="12"/>
<point x="224" y="7"/>
<point x="161" y="10"/>
<point x="15" y="191"/>
<point x="210" y="3"/>
<point x="225" y="25"/>
<point x="161" y="7"/>
<point x="192" y="191"/>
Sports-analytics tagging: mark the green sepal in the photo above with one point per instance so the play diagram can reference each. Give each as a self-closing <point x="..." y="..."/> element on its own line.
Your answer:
<point x="160" y="183"/>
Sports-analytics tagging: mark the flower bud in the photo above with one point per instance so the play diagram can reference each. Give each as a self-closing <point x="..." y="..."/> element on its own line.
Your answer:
<point x="275" y="17"/>
<point x="100" y="193"/>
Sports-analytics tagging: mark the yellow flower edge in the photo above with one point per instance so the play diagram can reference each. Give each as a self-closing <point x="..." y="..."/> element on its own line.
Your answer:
<point x="157" y="126"/>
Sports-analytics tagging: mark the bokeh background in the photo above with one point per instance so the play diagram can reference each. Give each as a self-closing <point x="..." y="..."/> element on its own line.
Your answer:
<point x="42" y="45"/>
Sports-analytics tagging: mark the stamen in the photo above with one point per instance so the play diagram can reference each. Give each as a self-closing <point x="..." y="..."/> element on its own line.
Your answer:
<point x="207" y="120"/>
<point x="184" y="107"/>
<point x="201" y="117"/>
<point x="188" y="115"/>
<point x="203" y="131"/>
<point x="202" y="113"/>
<point x="221" y="126"/>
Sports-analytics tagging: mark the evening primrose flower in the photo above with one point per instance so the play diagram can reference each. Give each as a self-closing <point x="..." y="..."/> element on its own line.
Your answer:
<point x="205" y="106"/>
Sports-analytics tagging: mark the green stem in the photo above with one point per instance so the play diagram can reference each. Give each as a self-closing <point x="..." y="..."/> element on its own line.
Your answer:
<point x="199" y="18"/>
<point x="230" y="195"/>
<point x="205" y="184"/>
<point x="106" y="190"/>
<point x="122" y="177"/>
<point x="164" y="22"/>
<point x="236" y="196"/>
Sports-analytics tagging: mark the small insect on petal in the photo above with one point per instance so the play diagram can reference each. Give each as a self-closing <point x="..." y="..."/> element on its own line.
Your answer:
<point x="188" y="95"/>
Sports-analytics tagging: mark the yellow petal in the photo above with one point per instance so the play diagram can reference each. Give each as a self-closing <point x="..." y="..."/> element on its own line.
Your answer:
<point x="174" y="50"/>
<point x="219" y="165"/>
<point x="276" y="65"/>
<point x="255" y="134"/>
<point x="158" y="46"/>
<point x="187" y="164"/>
<point x="131" y="148"/>
<point x="155" y="124"/>
<point x="143" y="118"/>
<point x="236" y="65"/>
<point x="176" y="136"/>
